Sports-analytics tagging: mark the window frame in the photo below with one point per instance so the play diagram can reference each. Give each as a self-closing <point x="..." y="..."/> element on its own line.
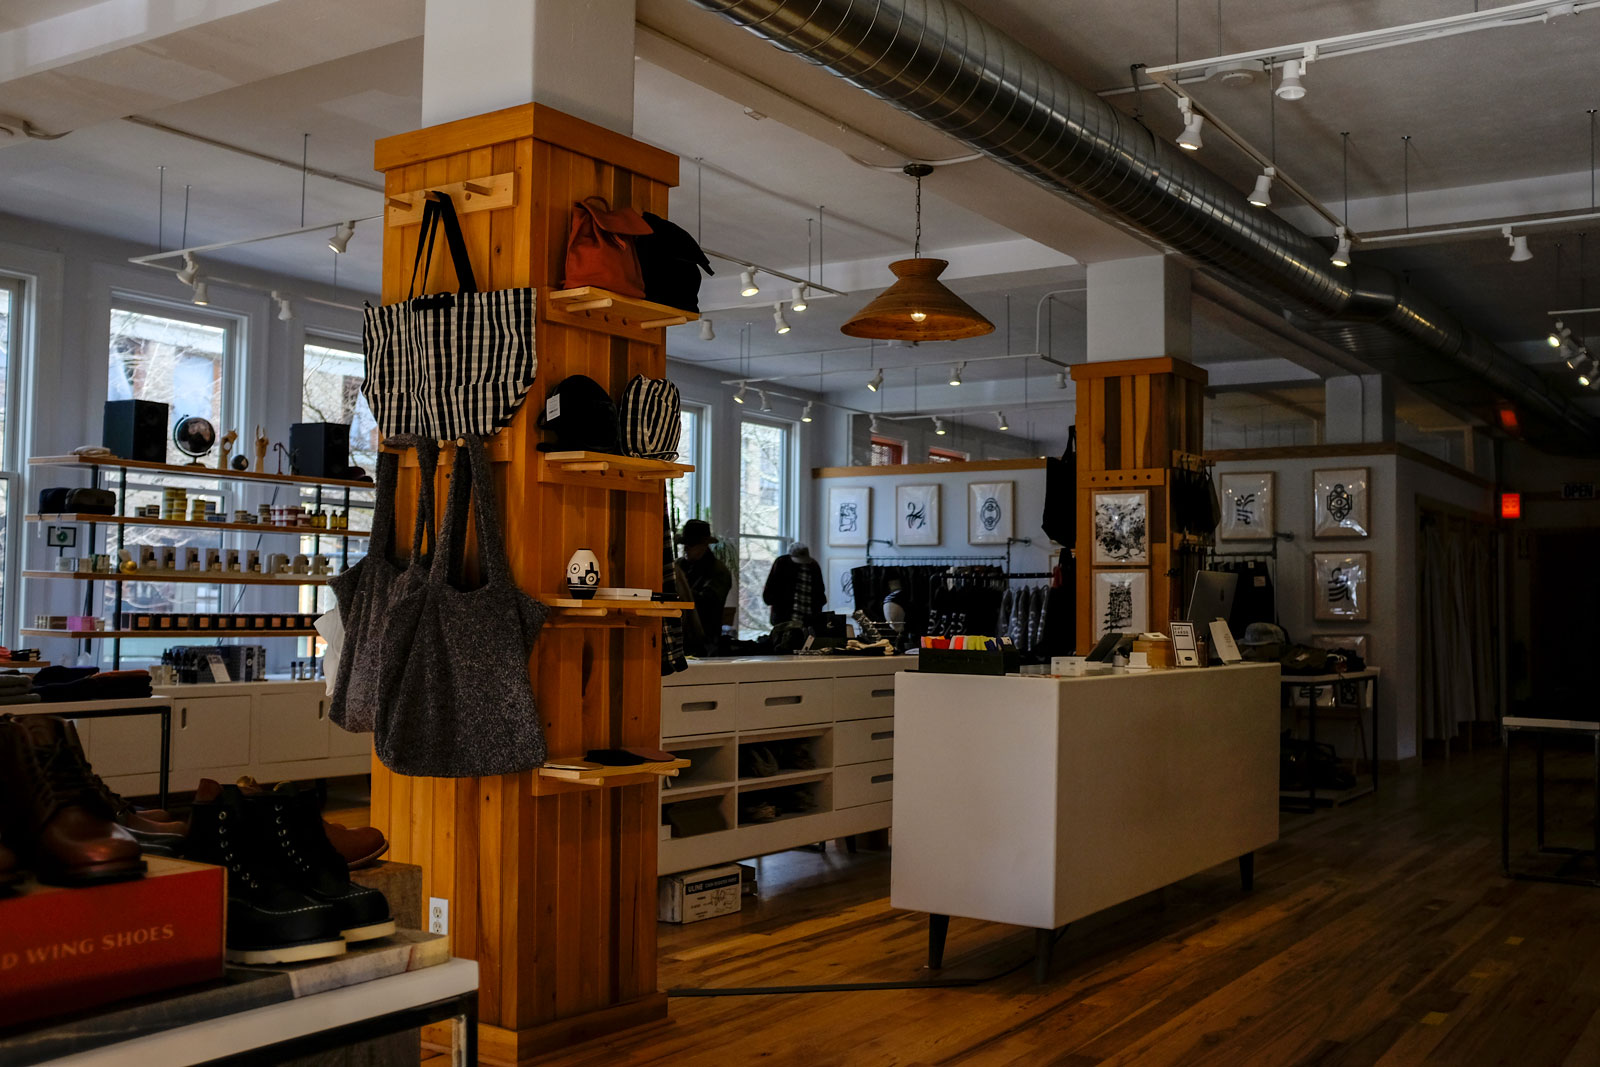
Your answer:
<point x="699" y="500"/>
<point x="236" y="330"/>
<point x="947" y="455"/>
<point x="12" y="458"/>
<point x="788" y="523"/>
<point x="896" y="447"/>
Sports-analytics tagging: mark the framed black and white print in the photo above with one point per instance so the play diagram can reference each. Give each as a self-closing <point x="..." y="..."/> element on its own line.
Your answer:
<point x="1248" y="505"/>
<point x="1339" y="585"/>
<point x="916" y="515"/>
<point x="989" y="520"/>
<point x="841" y="589"/>
<point x="1341" y="505"/>
<point x="1121" y="526"/>
<point x="849" y="516"/>
<point x="1121" y="602"/>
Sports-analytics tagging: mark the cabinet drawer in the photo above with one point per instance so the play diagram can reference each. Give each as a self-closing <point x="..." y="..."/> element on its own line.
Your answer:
<point x="794" y="703"/>
<point x="291" y="726"/>
<point x="863" y="783"/>
<point x="866" y="697"/>
<point x="130" y="745"/>
<point x="210" y="732"/>
<point x="345" y="743"/>
<point x="697" y="709"/>
<point x="863" y="740"/>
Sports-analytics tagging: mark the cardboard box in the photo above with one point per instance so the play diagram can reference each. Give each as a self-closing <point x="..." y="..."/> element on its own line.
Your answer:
<point x="691" y="896"/>
<point x="64" y="950"/>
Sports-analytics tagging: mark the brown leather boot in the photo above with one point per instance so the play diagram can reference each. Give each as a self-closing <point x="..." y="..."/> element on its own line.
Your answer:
<point x="157" y="832"/>
<point x="53" y="814"/>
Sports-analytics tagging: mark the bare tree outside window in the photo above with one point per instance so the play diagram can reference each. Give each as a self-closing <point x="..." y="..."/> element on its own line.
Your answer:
<point x="170" y="361"/>
<point x="331" y="392"/>
<point x="765" y="525"/>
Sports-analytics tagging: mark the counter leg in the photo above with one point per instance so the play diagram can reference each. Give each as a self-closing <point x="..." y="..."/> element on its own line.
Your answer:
<point x="938" y="927"/>
<point x="1247" y="871"/>
<point x="1505" y="800"/>
<point x="1044" y="943"/>
<point x="1538" y="788"/>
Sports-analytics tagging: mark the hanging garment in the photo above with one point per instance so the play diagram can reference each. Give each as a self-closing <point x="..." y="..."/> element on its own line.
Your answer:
<point x="367" y="592"/>
<point x="1060" y="521"/>
<point x="672" y="643"/>
<point x="448" y="365"/>
<point x="1254" y="598"/>
<point x="461" y="703"/>
<point x="794" y="589"/>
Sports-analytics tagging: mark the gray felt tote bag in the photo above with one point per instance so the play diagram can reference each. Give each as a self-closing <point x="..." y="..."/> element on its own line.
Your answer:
<point x="460" y="703"/>
<point x="367" y="592"/>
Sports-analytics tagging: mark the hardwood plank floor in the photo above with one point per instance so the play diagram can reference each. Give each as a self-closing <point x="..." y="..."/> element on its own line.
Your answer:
<point x="1379" y="933"/>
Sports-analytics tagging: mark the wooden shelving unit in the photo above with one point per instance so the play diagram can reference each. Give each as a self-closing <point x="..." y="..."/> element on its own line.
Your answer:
<point x="571" y="607"/>
<point x="23" y="664"/>
<point x="203" y="577"/>
<point x="613" y="313"/>
<point x="185" y="524"/>
<point x="91" y="634"/>
<point x="602" y="470"/>
<point x="211" y="473"/>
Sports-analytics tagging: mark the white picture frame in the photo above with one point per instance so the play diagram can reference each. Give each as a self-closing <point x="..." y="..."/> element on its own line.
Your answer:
<point x="841" y="593"/>
<point x="1249" y="505"/>
<point x="1121" y="527"/>
<point x="1121" y="602"/>
<point x="1339" y="582"/>
<point x="849" y="516"/>
<point x="1340" y="504"/>
<point x="989" y="507"/>
<point x="916" y="515"/>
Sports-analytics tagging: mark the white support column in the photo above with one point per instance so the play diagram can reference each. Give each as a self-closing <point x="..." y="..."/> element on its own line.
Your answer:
<point x="484" y="55"/>
<point x="1138" y="309"/>
<point x="1359" y="409"/>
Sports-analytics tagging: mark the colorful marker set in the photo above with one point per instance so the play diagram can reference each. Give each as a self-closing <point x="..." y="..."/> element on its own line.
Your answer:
<point x="965" y="643"/>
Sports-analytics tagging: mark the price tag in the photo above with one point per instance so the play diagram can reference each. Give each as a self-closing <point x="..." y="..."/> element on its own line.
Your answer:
<point x="1222" y="642"/>
<point x="219" y="670"/>
<point x="552" y="408"/>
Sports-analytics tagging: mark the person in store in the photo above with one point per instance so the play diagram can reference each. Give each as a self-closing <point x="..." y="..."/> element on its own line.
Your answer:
<point x="707" y="580"/>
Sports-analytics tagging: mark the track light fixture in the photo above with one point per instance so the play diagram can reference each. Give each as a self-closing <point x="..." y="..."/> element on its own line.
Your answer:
<point x="876" y="381"/>
<point x="285" y="311"/>
<point x="1061" y="379"/>
<point x="938" y="426"/>
<point x="1576" y="356"/>
<point x="780" y="324"/>
<point x="341" y="237"/>
<point x="738" y="396"/>
<point x="1519" y="245"/>
<point x="747" y="282"/>
<point x="873" y="424"/>
<point x="955" y="373"/>
<point x="1341" y="254"/>
<point x="1587" y="377"/>
<point x="805" y="412"/>
<point x="1290" y="86"/>
<point x="708" y="332"/>
<point x="1190" y="137"/>
<point x="201" y="295"/>
<point x="766" y="405"/>
<point x="797" y="300"/>
<point x="1261" y="195"/>
<point x="1557" y="333"/>
<point x="1000" y="420"/>
<point x="190" y="271"/>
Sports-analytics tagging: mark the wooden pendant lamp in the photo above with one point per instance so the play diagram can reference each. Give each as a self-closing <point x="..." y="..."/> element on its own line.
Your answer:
<point x="917" y="307"/>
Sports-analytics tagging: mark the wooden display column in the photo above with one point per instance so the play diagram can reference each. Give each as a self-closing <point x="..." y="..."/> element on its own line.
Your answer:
<point x="1136" y="419"/>
<point x="551" y="886"/>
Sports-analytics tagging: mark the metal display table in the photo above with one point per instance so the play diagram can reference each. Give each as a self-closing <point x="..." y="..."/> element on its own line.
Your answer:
<point x="114" y="709"/>
<point x="1540" y="728"/>
<point x="1366" y="683"/>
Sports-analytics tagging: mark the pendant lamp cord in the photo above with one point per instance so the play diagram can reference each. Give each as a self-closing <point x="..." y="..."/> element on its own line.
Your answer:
<point x="916" y="247"/>
<point x="1405" y="167"/>
<point x="1591" y="159"/>
<point x="1345" y="218"/>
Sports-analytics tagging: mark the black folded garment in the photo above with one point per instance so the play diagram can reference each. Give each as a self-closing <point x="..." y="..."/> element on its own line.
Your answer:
<point x="57" y="684"/>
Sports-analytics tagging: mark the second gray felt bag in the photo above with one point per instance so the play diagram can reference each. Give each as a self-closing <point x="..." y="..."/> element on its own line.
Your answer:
<point x="460" y="703"/>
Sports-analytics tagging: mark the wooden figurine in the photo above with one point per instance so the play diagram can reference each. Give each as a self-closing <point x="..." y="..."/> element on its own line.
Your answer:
<point x="261" y="451"/>
<point x="226" y="446"/>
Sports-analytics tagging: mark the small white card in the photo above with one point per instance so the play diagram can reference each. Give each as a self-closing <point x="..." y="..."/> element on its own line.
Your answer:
<point x="1185" y="651"/>
<point x="552" y="408"/>
<point x="1222" y="642"/>
<point x="219" y="670"/>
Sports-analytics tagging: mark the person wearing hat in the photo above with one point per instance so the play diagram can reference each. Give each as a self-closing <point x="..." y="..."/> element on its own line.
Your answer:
<point x="707" y="580"/>
<point x="794" y="588"/>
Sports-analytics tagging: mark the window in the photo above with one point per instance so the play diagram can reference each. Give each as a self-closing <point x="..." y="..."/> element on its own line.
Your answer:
<point x="331" y="392"/>
<point x="687" y="502"/>
<point x="887" y="453"/>
<point x="10" y="482"/>
<point x="946" y="455"/>
<point x="766" y="519"/>
<point x="177" y="362"/>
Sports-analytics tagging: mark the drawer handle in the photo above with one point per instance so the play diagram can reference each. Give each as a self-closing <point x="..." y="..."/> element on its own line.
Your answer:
<point x="883" y="735"/>
<point x="773" y="702"/>
<point x="183" y="718"/>
<point x="879" y="779"/>
<point x="878" y="694"/>
<point x="700" y="705"/>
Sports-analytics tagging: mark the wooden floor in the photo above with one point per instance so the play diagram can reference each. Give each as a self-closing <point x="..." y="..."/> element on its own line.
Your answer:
<point x="1379" y="933"/>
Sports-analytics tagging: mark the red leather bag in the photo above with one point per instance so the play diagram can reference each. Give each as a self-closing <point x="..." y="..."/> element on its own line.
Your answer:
<point x="600" y="249"/>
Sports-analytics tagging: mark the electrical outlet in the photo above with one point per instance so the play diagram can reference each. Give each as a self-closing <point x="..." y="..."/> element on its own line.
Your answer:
<point x="438" y="915"/>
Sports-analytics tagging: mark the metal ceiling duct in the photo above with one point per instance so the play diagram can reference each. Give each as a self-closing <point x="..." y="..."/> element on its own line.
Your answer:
<point x="938" y="61"/>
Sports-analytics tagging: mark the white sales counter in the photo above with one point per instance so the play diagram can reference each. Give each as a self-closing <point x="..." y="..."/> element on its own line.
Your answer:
<point x="1038" y="801"/>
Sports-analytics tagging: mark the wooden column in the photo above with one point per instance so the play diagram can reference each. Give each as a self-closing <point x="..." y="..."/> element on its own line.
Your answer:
<point x="551" y="886"/>
<point x="1135" y="420"/>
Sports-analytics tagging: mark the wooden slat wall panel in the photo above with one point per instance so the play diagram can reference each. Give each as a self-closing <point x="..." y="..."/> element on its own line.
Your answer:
<point x="553" y="894"/>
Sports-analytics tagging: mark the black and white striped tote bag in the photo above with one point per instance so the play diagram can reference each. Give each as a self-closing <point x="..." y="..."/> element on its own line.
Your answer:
<point x="449" y="365"/>
<point x="651" y="418"/>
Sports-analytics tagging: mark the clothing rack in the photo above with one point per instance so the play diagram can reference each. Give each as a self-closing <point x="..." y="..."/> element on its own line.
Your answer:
<point x="927" y="561"/>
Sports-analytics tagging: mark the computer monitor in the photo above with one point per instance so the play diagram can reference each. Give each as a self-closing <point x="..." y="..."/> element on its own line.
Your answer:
<point x="1212" y="598"/>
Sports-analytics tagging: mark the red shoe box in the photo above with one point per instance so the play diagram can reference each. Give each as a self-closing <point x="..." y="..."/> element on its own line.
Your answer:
<point x="64" y="950"/>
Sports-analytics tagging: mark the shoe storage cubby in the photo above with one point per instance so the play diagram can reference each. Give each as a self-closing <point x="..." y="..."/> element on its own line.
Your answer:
<point x="697" y="812"/>
<point x="762" y="803"/>
<point x="713" y="761"/>
<point x="784" y="753"/>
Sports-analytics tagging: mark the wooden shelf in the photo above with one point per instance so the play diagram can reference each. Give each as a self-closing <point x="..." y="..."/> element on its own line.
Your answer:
<point x="23" y="664"/>
<point x="603" y="470"/>
<point x="571" y="608"/>
<point x="752" y="785"/>
<point x="93" y="634"/>
<point x="210" y="473"/>
<point x="185" y="524"/>
<point x="596" y="776"/>
<point x="613" y="313"/>
<point x="203" y="577"/>
<point x="690" y="789"/>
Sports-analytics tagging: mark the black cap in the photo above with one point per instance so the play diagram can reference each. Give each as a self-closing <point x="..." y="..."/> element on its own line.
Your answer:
<point x="584" y="419"/>
<point x="697" y="532"/>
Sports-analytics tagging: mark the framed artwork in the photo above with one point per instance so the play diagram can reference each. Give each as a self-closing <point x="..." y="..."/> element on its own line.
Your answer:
<point x="1355" y="642"/>
<point x="849" y="516"/>
<point x="1339" y="581"/>
<point x="916" y="515"/>
<point x="1341" y="502"/>
<point x="841" y="592"/>
<point x="989" y="513"/>
<point x="1121" y="602"/>
<point x="1121" y="526"/>
<point x="1248" y="506"/>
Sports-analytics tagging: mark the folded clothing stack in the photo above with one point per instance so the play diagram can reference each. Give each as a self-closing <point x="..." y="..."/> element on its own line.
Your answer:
<point x="17" y="689"/>
<point x="56" y="684"/>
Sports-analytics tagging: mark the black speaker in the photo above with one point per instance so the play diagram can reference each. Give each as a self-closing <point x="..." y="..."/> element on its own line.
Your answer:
<point x="320" y="449"/>
<point x="136" y="429"/>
